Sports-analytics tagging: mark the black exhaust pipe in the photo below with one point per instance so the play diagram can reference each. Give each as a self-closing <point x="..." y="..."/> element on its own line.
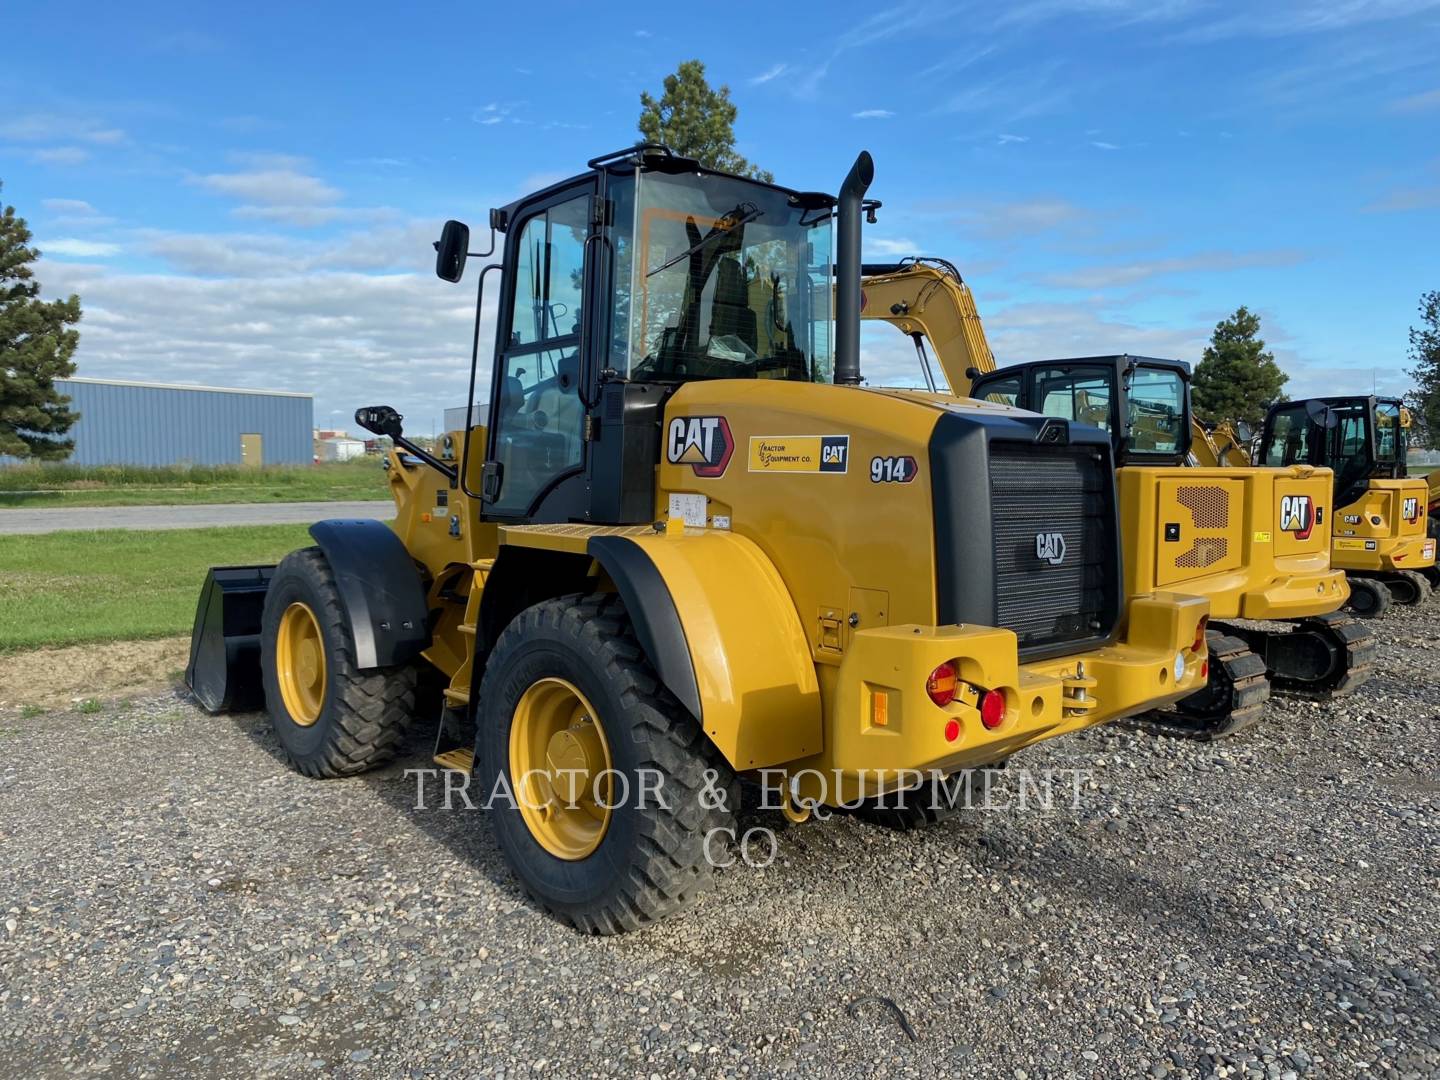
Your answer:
<point x="847" y="270"/>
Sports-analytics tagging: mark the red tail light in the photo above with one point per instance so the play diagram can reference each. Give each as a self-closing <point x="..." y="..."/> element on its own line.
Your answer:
<point x="992" y="709"/>
<point x="952" y="731"/>
<point x="941" y="684"/>
<point x="1200" y="633"/>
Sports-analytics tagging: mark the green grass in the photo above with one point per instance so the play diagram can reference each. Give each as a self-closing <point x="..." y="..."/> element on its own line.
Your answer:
<point x="38" y="485"/>
<point x="70" y="587"/>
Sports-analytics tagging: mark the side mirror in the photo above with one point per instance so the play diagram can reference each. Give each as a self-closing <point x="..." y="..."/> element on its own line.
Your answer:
<point x="380" y="420"/>
<point x="451" y="249"/>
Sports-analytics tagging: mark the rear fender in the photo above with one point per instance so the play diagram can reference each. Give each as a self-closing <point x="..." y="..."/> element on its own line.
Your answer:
<point x="720" y="628"/>
<point x="380" y="588"/>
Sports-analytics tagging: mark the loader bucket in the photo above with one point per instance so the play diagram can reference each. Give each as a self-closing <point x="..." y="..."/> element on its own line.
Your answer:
<point x="224" y="669"/>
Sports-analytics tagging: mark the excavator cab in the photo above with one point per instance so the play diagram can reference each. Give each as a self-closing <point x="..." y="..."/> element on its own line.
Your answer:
<point x="1143" y="402"/>
<point x="1380" y="534"/>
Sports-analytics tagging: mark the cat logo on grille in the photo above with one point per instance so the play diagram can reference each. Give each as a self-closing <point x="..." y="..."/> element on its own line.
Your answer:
<point x="1050" y="547"/>
<point x="1297" y="515"/>
<point x="1410" y="510"/>
<point x="702" y="442"/>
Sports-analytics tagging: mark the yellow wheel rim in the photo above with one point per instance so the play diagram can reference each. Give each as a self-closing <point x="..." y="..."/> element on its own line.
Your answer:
<point x="300" y="664"/>
<point x="560" y="766"/>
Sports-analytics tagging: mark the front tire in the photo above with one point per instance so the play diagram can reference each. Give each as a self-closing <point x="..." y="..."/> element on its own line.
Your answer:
<point x="567" y="690"/>
<point x="331" y="718"/>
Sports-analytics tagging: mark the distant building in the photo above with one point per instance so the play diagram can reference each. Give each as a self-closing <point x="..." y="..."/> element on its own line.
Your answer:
<point x="136" y="423"/>
<point x="339" y="449"/>
<point x="455" y="418"/>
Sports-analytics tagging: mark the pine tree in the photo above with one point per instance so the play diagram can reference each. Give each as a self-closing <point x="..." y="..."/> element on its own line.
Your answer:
<point x="1424" y="400"/>
<point x="35" y="349"/>
<point x="1236" y="378"/>
<point x="696" y="121"/>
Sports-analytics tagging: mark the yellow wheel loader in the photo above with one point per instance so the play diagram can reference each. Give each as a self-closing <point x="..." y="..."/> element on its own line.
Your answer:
<point x="1253" y="541"/>
<point x="687" y="546"/>
<point x="1380" y="530"/>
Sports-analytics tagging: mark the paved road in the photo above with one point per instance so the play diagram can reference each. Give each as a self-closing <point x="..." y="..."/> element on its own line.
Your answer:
<point x="199" y="516"/>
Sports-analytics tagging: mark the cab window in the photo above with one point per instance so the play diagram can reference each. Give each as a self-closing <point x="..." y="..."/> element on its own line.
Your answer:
<point x="1289" y="442"/>
<point x="1156" y="404"/>
<point x="1387" y="431"/>
<point x="538" y="414"/>
<point x="1004" y="391"/>
<point x="1081" y="394"/>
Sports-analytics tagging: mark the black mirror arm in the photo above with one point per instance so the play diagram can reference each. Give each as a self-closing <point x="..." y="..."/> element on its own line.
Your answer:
<point x="383" y="420"/>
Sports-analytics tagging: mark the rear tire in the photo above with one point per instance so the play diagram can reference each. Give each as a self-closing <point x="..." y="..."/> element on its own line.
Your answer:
<point x="1369" y="599"/>
<point x="651" y="857"/>
<point x="331" y="718"/>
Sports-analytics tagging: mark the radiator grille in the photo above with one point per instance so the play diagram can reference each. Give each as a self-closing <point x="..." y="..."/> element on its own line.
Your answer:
<point x="1038" y="491"/>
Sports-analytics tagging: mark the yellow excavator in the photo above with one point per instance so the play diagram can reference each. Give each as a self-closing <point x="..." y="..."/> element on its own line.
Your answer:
<point x="1254" y="541"/>
<point x="684" y="544"/>
<point x="1380" y="530"/>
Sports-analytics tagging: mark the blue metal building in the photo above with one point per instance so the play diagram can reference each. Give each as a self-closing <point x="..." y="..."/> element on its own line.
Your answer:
<point x="132" y="423"/>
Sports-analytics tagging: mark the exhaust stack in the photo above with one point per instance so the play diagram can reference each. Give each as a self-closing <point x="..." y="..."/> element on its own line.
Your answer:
<point x="847" y="270"/>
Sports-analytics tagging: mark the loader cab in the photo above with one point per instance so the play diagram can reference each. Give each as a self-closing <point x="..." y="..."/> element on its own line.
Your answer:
<point x="1143" y="402"/>
<point x="619" y="285"/>
<point x="1360" y="438"/>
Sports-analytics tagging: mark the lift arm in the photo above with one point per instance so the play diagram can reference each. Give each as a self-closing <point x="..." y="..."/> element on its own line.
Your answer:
<point x="926" y="298"/>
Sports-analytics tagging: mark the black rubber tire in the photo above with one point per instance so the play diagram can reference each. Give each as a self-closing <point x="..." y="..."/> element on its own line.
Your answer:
<point x="1408" y="588"/>
<point x="1369" y="599"/>
<point x="652" y="860"/>
<point x="935" y="800"/>
<point x="366" y="713"/>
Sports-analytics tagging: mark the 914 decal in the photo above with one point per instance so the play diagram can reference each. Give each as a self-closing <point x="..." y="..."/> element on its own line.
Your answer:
<point x="893" y="470"/>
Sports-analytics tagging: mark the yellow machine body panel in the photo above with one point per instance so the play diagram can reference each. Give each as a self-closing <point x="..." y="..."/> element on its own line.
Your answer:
<point x="1255" y="541"/>
<point x="1385" y="529"/>
<point x="805" y="586"/>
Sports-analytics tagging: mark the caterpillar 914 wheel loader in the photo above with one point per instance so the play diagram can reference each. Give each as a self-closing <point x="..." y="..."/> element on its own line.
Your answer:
<point x="686" y="545"/>
<point x="1253" y="541"/>
<point x="1380" y="530"/>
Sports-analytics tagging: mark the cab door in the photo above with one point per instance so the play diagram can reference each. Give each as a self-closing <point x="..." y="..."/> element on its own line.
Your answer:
<point x="537" y="411"/>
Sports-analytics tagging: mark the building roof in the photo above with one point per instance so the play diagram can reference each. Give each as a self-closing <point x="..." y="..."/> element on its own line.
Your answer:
<point x="186" y="386"/>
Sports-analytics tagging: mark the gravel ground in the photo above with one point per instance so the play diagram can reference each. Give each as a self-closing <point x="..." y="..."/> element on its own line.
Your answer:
<point x="177" y="903"/>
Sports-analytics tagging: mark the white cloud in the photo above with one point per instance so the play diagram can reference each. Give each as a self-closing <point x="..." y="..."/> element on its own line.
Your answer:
<point x="58" y="127"/>
<point x="643" y="34"/>
<point x="900" y="246"/>
<point x="1012" y="220"/>
<point x="60" y="155"/>
<point x="71" y="207"/>
<point x="316" y="320"/>
<point x="1103" y="145"/>
<point x="872" y="114"/>
<point x="498" y="112"/>
<point x="1113" y="276"/>
<point x="1002" y="139"/>
<point x="770" y="73"/>
<point x="1417" y="102"/>
<point x="272" y="187"/>
<point x="306" y="217"/>
<point x="80" y="249"/>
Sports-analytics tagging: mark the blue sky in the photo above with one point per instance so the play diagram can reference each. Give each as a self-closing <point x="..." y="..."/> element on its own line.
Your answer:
<point x="246" y="195"/>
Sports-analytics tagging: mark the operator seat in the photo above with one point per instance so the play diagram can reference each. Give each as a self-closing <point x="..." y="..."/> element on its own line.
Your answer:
<point x="731" y="313"/>
<point x="560" y="402"/>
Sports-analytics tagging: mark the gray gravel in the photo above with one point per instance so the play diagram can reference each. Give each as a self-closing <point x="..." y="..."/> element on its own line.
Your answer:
<point x="195" y="516"/>
<point x="177" y="903"/>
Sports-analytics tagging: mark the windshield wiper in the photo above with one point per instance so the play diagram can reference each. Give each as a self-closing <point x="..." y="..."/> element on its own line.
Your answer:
<point x="744" y="218"/>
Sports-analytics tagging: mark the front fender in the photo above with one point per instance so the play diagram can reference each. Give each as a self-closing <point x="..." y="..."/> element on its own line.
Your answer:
<point x="380" y="588"/>
<point x="720" y="628"/>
